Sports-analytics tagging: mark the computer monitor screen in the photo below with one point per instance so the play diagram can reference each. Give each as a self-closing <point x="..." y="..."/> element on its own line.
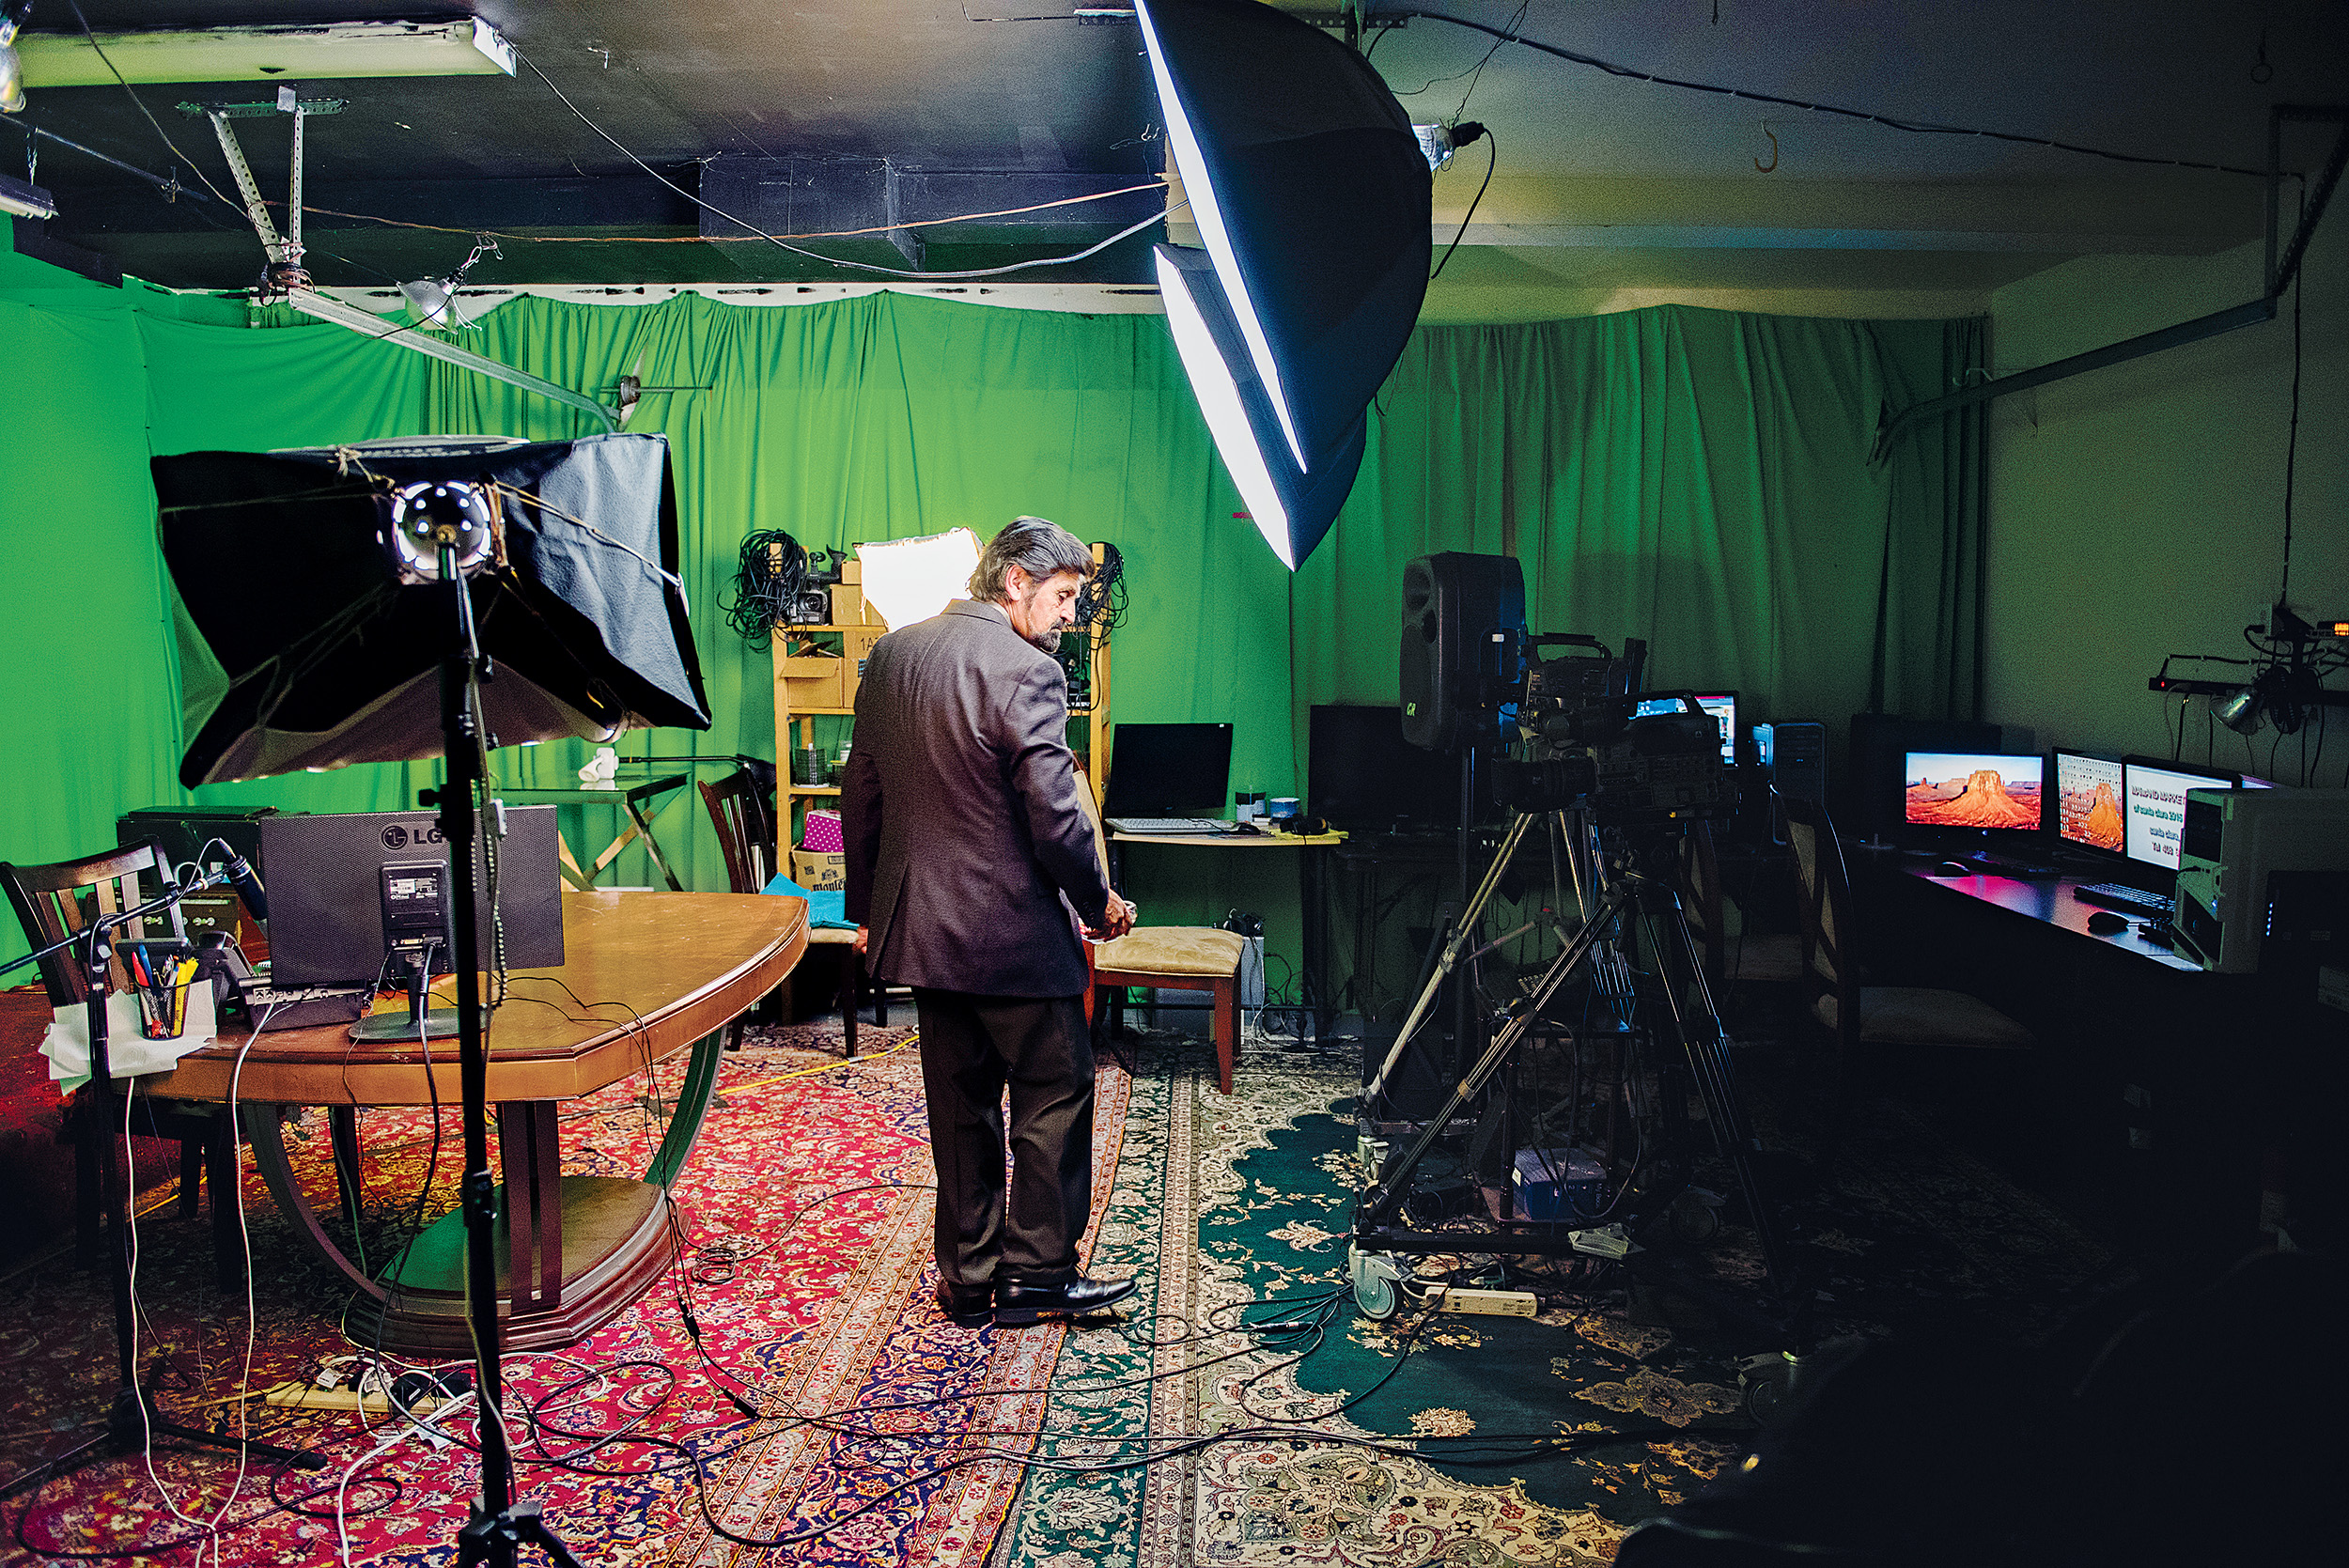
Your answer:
<point x="1972" y="789"/>
<point x="1169" y="771"/>
<point x="1722" y="706"/>
<point x="1362" y="776"/>
<point x="2089" y="797"/>
<point x="340" y="887"/>
<point x="2156" y="798"/>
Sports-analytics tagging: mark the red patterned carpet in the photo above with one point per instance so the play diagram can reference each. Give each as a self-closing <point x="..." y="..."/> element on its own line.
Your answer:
<point x="807" y="1227"/>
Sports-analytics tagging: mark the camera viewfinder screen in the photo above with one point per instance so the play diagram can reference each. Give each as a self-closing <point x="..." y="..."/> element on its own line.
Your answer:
<point x="1724" y="708"/>
<point x="1972" y="789"/>
<point x="2089" y="797"/>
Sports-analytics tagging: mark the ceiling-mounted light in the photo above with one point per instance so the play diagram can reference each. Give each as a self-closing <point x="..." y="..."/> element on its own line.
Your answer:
<point x="11" y="64"/>
<point x="2240" y="712"/>
<point x="314" y="52"/>
<point x="1312" y="198"/>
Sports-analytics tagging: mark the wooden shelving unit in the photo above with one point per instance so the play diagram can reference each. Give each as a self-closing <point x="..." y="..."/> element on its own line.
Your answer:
<point x="790" y="798"/>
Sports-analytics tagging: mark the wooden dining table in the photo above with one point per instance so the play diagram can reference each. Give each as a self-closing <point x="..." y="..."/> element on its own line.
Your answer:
<point x="644" y="975"/>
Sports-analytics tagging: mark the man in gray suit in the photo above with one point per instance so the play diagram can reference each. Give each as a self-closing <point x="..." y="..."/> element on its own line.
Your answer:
<point x="971" y="868"/>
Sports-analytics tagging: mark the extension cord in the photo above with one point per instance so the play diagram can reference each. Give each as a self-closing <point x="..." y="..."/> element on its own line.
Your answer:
<point x="296" y="1396"/>
<point x="1489" y="1303"/>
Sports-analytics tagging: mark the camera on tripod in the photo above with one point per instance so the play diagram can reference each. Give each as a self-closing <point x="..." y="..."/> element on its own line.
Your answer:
<point x="1584" y="745"/>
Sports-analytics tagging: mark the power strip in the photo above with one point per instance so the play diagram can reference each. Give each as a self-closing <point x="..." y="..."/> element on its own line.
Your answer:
<point x="295" y="1396"/>
<point x="1490" y="1303"/>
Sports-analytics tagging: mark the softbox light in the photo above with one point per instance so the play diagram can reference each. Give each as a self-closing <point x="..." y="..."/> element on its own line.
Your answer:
<point x="1313" y="198"/>
<point x="300" y="648"/>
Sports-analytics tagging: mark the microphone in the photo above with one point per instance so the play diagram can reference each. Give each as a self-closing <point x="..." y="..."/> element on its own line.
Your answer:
<point x="240" y="873"/>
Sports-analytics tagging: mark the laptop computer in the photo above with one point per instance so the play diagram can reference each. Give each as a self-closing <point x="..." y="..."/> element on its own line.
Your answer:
<point x="1167" y="778"/>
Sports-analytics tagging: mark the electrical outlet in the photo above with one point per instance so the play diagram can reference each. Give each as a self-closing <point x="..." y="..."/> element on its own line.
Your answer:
<point x="295" y="1396"/>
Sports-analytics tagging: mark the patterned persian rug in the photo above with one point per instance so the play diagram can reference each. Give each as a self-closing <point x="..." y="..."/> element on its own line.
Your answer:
<point x="1220" y="1202"/>
<point x="807" y="1206"/>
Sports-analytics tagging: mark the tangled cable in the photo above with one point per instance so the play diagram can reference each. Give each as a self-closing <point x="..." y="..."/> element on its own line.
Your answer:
<point x="767" y="582"/>
<point x="1102" y="600"/>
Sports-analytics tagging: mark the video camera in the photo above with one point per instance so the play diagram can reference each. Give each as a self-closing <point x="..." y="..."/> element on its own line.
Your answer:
<point x="1583" y="743"/>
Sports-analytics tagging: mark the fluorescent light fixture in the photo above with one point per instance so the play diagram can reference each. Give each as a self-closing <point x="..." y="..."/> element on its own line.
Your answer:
<point x="466" y="46"/>
<point x="1312" y="195"/>
<point x="1199" y="186"/>
<point x="26" y="201"/>
<point x="1196" y="327"/>
<point x="911" y="580"/>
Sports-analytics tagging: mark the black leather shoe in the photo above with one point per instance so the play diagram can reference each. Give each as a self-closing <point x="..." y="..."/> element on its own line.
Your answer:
<point x="1017" y="1304"/>
<point x="967" y="1306"/>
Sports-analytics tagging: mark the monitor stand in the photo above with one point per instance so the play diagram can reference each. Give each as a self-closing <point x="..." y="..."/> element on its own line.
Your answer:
<point x="419" y="1022"/>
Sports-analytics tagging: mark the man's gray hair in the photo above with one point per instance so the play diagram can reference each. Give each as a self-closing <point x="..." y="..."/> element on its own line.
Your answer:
<point x="1037" y="547"/>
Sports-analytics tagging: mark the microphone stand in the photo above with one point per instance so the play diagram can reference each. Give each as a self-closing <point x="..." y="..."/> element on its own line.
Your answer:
<point x="133" y="1421"/>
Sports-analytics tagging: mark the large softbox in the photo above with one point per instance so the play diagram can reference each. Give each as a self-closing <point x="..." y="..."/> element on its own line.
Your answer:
<point x="299" y="649"/>
<point x="1313" y="198"/>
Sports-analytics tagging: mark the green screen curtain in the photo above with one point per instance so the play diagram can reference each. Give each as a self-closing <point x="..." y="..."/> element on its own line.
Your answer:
<point x="1700" y="478"/>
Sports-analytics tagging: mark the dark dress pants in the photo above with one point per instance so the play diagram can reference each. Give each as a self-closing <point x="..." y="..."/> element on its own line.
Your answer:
<point x="973" y="1047"/>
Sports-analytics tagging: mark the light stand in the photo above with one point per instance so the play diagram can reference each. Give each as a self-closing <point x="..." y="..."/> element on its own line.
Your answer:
<point x="499" y="1524"/>
<point x="133" y="1421"/>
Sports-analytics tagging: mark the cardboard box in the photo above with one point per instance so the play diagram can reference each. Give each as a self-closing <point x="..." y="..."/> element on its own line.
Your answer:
<point x="819" y="872"/>
<point x="813" y="678"/>
<point x="852" y="573"/>
<point x="857" y="647"/>
<point x="848" y="604"/>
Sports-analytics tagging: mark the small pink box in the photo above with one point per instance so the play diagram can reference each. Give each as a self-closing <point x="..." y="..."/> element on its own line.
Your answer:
<point x="822" y="834"/>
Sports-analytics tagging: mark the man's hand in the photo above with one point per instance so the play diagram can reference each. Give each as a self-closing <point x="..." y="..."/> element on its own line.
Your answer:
<point x="1115" y="923"/>
<point x="863" y="936"/>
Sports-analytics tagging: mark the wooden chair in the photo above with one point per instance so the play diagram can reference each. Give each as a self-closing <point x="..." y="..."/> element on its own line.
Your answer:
<point x="738" y="812"/>
<point x="1187" y="957"/>
<point x="52" y="902"/>
<point x="1768" y="958"/>
<point x="1857" y="1017"/>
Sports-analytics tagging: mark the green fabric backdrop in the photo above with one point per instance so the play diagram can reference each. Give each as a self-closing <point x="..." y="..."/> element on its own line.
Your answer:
<point x="1696" y="477"/>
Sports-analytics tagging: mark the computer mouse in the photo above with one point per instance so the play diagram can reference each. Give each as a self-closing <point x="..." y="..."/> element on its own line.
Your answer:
<point x="2104" y="922"/>
<point x="1955" y="868"/>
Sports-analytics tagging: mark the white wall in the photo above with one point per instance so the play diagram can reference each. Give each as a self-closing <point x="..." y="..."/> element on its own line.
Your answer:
<point x="2137" y="511"/>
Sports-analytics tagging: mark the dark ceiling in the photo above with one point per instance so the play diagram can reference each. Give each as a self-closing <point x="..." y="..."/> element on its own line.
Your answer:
<point x="1033" y="111"/>
<point x="811" y="116"/>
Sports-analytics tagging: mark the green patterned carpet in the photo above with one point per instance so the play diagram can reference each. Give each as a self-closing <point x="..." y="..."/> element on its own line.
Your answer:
<point x="1223" y="1201"/>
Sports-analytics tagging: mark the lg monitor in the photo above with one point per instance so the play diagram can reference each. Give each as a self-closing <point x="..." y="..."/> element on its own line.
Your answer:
<point x="2154" y="798"/>
<point x="1168" y="770"/>
<point x="1971" y="790"/>
<point x="345" y="889"/>
<point x="1721" y="705"/>
<point x="1362" y="776"/>
<point x="2090" y="799"/>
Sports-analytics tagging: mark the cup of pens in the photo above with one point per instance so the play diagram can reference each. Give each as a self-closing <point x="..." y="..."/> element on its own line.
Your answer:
<point x="161" y="975"/>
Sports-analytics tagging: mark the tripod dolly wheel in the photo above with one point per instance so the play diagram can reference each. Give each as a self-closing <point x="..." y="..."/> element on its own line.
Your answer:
<point x="1378" y="1284"/>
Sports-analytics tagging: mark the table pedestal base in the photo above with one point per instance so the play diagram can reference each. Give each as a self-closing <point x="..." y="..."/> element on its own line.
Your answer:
<point x="614" y="1240"/>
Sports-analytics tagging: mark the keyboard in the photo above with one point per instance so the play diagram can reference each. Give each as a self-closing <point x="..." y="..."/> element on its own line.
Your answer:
<point x="1166" y="825"/>
<point x="2124" y="897"/>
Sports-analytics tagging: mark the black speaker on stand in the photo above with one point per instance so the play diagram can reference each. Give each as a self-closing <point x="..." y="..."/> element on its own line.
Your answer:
<point x="1463" y="640"/>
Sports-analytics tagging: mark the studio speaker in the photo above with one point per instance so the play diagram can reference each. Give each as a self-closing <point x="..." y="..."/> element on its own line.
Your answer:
<point x="1454" y="604"/>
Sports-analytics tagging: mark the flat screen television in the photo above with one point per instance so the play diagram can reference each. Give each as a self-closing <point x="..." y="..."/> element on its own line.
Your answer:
<point x="1722" y="706"/>
<point x="1972" y="791"/>
<point x="1362" y="776"/>
<point x="2153" y="797"/>
<point x="2090" y="801"/>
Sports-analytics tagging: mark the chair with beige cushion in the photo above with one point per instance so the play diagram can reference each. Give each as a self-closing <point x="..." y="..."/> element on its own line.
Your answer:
<point x="738" y="810"/>
<point x="1872" y="1015"/>
<point x="1183" y="957"/>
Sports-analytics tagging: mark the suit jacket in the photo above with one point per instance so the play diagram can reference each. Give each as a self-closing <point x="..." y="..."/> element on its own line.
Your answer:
<point x="970" y="858"/>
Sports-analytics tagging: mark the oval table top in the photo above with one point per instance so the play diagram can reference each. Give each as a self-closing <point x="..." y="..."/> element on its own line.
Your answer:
<point x="654" y="971"/>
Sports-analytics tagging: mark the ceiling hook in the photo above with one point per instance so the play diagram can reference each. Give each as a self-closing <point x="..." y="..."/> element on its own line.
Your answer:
<point x="1759" y="167"/>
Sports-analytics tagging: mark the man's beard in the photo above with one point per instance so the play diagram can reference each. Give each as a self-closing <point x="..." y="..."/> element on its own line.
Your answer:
<point x="1047" y="641"/>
